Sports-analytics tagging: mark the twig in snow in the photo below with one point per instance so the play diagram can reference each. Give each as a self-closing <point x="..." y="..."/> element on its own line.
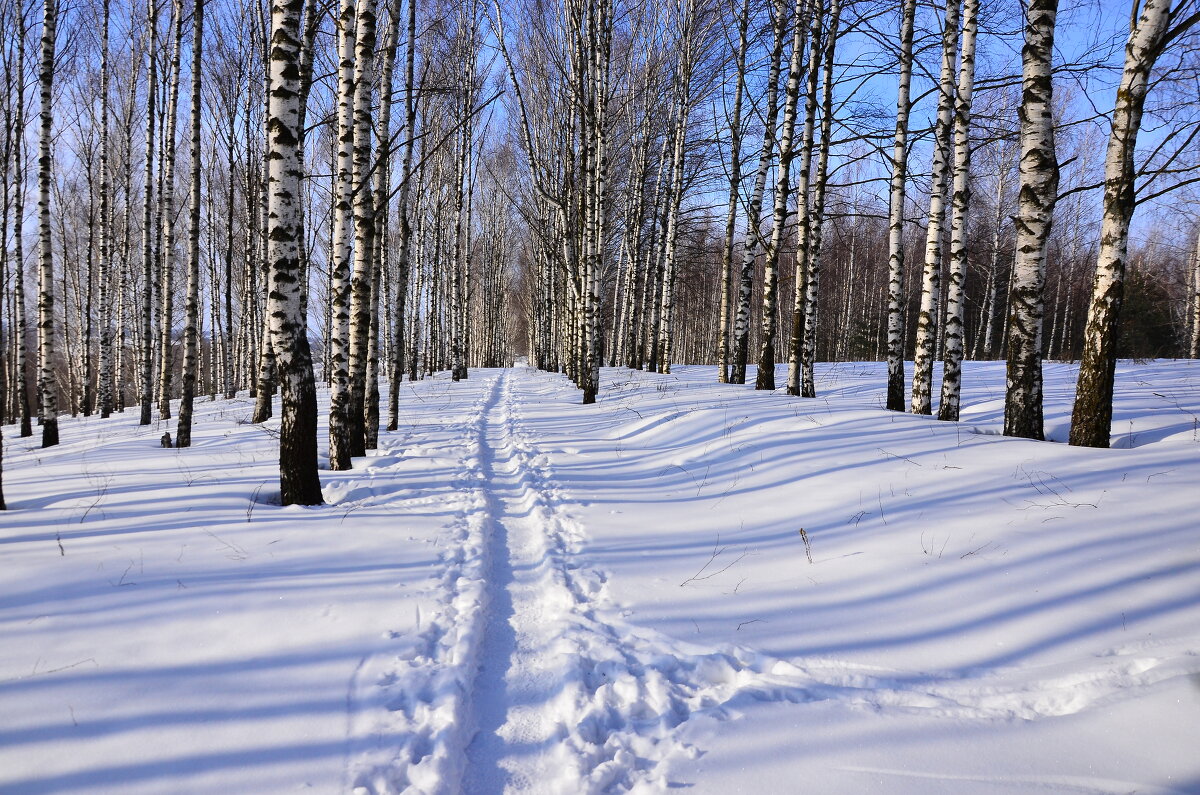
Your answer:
<point x="58" y="537"/>
<point x="746" y="623"/>
<point x="901" y="457"/>
<point x="101" y="490"/>
<point x="36" y="672"/>
<point x="807" y="545"/>
<point x="238" y="552"/>
<point x="977" y="549"/>
<point x="718" y="550"/>
<point x="253" y="500"/>
<point x="121" y="583"/>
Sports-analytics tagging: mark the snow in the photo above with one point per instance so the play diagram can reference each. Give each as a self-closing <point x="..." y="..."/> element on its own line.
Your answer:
<point x="519" y="593"/>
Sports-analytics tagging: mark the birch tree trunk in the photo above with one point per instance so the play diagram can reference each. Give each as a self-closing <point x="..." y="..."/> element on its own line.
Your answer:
<point x="961" y="203"/>
<point x="931" y="277"/>
<point x="299" y="482"/>
<point x="683" y="101"/>
<point x="1091" y="419"/>
<point x="1194" y="350"/>
<point x="191" y="330"/>
<point x="895" y="310"/>
<point x="125" y="296"/>
<point x="105" y="352"/>
<point x="20" y="360"/>
<point x="47" y="384"/>
<point x="364" y="223"/>
<point x="167" y="212"/>
<point x="804" y="237"/>
<point x="807" y="353"/>
<point x="228" y="366"/>
<point x="340" y="427"/>
<point x="741" y="325"/>
<point x="458" y="252"/>
<point x="380" y="249"/>
<point x="993" y="299"/>
<point x="147" y="319"/>
<point x="1038" y="194"/>
<point x="405" y="212"/>
<point x="735" y="183"/>
<point x="766" y="358"/>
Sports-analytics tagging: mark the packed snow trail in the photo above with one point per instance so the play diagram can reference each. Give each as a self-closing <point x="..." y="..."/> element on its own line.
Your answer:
<point x="444" y="624"/>
<point x="521" y="662"/>
<point x="529" y="680"/>
<point x="518" y="685"/>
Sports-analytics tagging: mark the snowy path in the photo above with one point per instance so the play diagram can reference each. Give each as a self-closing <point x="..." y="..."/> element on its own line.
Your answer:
<point x="521" y="666"/>
<point x="531" y="681"/>
<point x="519" y="594"/>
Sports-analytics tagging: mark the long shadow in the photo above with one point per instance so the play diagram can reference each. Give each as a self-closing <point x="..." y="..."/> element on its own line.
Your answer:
<point x="489" y="696"/>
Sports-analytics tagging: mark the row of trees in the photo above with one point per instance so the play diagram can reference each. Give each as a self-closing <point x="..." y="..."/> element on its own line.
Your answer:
<point x="365" y="190"/>
<point x="799" y="96"/>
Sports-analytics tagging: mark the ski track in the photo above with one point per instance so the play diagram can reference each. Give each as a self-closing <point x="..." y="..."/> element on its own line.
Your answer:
<point x="527" y="678"/>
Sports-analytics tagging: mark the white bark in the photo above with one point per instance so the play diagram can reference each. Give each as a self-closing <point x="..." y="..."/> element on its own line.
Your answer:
<point x="683" y="101"/>
<point x="961" y="203"/>
<point x="106" y="324"/>
<point x="364" y="222"/>
<point x="931" y="277"/>
<point x="1035" y="213"/>
<point x="735" y="182"/>
<point x="340" y="430"/>
<point x="807" y="353"/>
<point x="1091" y="419"/>
<point x="47" y="385"/>
<point x="1194" y="350"/>
<point x="22" y="330"/>
<point x="299" y="482"/>
<point x="148" y="229"/>
<point x="895" y="311"/>
<point x="167" y="214"/>
<point x="191" y="329"/>
<point x="766" y="359"/>
<point x="753" y="238"/>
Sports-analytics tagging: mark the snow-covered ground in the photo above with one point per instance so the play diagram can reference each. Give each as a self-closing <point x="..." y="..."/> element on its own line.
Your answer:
<point x="685" y="585"/>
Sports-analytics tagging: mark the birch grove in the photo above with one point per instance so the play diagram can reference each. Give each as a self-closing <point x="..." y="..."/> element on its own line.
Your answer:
<point x="219" y="200"/>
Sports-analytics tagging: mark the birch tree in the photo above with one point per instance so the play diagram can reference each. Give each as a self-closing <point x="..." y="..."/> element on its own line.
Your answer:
<point x="1156" y="26"/>
<point x="191" y="330"/>
<point x="735" y="183"/>
<point x="1038" y="193"/>
<point x="801" y="14"/>
<point x="166" y="212"/>
<point x="299" y="482"/>
<point x="895" y="327"/>
<point x="685" y="65"/>
<point x="106" y="324"/>
<point x="931" y="275"/>
<point x="405" y="213"/>
<point x="47" y="384"/>
<point x="363" y="221"/>
<point x="340" y="424"/>
<point x="1194" y="348"/>
<point x="22" y="330"/>
<point x="960" y="208"/>
<point x="804" y="219"/>
<point x="804" y="319"/>
<point x="148" y="228"/>
<point x="753" y="237"/>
